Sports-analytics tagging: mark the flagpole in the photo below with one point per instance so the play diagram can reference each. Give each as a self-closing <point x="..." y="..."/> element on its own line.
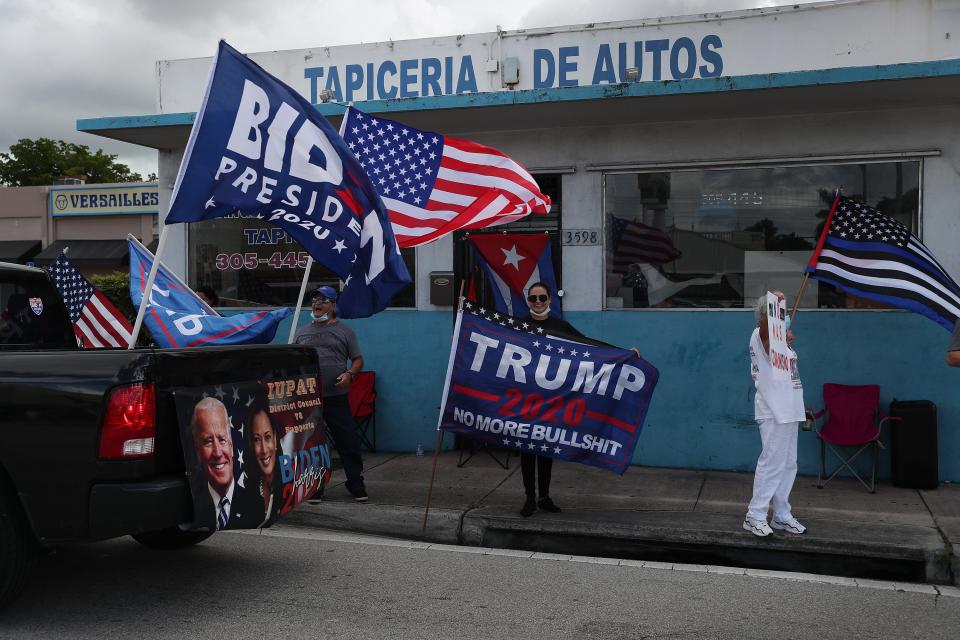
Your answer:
<point x="817" y="251"/>
<point x="303" y="291"/>
<point x="436" y="449"/>
<point x="148" y="288"/>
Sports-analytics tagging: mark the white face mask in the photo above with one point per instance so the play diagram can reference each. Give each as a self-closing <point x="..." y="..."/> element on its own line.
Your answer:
<point x="541" y="316"/>
<point x="322" y="318"/>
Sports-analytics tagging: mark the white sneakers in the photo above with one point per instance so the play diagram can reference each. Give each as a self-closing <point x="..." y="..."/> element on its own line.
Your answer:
<point x="790" y="525"/>
<point x="761" y="529"/>
<point x="758" y="528"/>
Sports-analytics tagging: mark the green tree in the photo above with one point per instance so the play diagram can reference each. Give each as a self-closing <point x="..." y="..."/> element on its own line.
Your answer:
<point x="41" y="161"/>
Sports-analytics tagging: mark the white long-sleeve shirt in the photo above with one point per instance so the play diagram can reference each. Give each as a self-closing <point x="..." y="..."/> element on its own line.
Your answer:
<point x="781" y="400"/>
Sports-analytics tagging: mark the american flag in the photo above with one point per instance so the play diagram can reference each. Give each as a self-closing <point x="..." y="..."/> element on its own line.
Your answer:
<point x="434" y="184"/>
<point x="634" y="242"/>
<point x="96" y="321"/>
<point x="871" y="255"/>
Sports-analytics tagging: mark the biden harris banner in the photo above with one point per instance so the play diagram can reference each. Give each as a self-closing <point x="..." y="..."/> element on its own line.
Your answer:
<point x="260" y="149"/>
<point x="177" y="317"/>
<point x="252" y="450"/>
<point x="512" y="384"/>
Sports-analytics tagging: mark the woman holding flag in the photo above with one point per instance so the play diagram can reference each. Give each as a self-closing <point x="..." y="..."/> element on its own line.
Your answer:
<point x="532" y="465"/>
<point x="778" y="410"/>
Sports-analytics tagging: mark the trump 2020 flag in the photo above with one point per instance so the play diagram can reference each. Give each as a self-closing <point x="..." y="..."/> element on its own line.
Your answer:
<point x="515" y="385"/>
<point x="871" y="255"/>
<point x="260" y="148"/>
<point x="513" y="262"/>
<point x="434" y="184"/>
<point x="177" y="317"/>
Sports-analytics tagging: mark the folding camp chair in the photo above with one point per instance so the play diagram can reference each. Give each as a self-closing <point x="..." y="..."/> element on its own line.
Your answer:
<point x="853" y="420"/>
<point x="362" y="399"/>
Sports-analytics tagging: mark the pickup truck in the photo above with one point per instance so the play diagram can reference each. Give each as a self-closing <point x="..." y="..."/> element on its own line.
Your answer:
<point x="79" y="461"/>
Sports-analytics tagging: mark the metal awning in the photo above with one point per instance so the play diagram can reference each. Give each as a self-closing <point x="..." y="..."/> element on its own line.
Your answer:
<point x="18" y="250"/>
<point x="87" y="252"/>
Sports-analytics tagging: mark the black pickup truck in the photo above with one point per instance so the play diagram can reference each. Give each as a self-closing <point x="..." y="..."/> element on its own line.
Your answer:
<point x="90" y="446"/>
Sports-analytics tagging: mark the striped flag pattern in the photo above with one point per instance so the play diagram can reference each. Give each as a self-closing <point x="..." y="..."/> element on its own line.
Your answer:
<point x="433" y="184"/>
<point x="96" y="321"/>
<point x="868" y="254"/>
<point x="637" y="243"/>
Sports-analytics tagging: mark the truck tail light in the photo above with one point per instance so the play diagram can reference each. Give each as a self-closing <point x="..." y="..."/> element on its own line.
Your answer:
<point x="129" y="423"/>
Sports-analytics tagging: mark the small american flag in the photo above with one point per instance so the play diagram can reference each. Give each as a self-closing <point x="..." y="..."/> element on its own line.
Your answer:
<point x="434" y="184"/>
<point x="635" y="243"/>
<point x="96" y="321"/>
<point x="871" y="255"/>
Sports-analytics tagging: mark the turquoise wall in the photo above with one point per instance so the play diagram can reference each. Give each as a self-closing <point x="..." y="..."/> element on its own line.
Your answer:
<point x="702" y="411"/>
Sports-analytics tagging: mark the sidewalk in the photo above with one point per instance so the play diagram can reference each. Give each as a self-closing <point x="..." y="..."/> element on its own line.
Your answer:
<point x="668" y="515"/>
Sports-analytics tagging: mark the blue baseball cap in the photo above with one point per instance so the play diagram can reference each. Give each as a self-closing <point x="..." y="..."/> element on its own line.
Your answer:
<point x="325" y="291"/>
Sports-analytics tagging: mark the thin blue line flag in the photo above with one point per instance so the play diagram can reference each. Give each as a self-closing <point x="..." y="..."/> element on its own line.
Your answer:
<point x="260" y="149"/>
<point x="177" y="317"/>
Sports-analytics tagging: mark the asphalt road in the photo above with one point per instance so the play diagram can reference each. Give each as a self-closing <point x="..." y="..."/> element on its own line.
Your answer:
<point x="303" y="583"/>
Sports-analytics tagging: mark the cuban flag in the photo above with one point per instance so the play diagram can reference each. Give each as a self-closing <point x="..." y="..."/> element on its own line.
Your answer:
<point x="259" y="148"/>
<point x="513" y="262"/>
<point x="177" y="317"/>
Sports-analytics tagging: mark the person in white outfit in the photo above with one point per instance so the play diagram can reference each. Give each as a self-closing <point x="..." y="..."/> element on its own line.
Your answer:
<point x="778" y="409"/>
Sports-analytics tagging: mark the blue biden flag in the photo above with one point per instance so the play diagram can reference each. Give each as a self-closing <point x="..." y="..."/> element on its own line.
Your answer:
<point x="177" y="317"/>
<point x="259" y="148"/>
<point x="514" y="385"/>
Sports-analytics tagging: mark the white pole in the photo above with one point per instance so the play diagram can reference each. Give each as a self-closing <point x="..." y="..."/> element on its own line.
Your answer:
<point x="148" y="289"/>
<point x="303" y="291"/>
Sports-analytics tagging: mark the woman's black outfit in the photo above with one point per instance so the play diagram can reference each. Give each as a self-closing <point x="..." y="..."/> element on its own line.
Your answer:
<point x="536" y="470"/>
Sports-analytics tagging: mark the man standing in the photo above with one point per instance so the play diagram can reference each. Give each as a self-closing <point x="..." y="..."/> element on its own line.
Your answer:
<point x="953" y="351"/>
<point x="340" y="362"/>
<point x="230" y="506"/>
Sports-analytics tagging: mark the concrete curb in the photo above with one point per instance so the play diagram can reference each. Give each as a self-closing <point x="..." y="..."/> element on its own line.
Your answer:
<point x="443" y="525"/>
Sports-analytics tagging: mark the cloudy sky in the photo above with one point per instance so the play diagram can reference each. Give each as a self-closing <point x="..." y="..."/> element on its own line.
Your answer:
<point x="70" y="59"/>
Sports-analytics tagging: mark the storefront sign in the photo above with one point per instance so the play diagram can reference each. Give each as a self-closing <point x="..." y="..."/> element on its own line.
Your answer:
<point x="736" y="43"/>
<point x="135" y="199"/>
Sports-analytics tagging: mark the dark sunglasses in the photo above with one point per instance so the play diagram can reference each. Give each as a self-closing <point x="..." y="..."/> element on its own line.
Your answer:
<point x="538" y="298"/>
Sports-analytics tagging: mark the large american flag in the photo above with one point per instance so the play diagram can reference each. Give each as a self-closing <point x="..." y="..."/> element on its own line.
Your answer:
<point x="434" y="184"/>
<point x="95" y="320"/>
<point x="634" y="242"/>
<point x="871" y="255"/>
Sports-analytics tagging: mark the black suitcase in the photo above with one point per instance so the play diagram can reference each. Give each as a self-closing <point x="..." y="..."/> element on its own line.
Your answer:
<point x="913" y="444"/>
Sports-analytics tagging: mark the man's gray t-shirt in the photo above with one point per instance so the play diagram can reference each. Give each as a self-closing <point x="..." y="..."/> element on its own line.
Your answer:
<point x="335" y="344"/>
<point x="955" y="341"/>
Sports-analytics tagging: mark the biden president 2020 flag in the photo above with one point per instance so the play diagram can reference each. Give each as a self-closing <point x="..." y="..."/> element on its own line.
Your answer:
<point x="261" y="149"/>
<point x="177" y="317"/>
<point x="515" y="385"/>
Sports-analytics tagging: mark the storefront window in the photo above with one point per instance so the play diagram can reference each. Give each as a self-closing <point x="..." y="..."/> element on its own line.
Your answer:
<point x="250" y="263"/>
<point x="719" y="238"/>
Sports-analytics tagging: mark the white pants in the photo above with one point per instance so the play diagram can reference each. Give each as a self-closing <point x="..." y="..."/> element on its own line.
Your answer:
<point x="776" y="470"/>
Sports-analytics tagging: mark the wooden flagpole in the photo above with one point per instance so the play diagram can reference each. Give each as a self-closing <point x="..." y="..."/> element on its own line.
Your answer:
<point x="817" y="251"/>
<point x="436" y="449"/>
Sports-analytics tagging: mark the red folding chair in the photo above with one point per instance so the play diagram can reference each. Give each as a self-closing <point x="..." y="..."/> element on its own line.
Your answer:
<point x="853" y="420"/>
<point x="363" y="399"/>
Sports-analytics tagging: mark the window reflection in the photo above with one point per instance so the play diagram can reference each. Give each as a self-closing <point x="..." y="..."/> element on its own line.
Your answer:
<point x="721" y="237"/>
<point x="250" y="263"/>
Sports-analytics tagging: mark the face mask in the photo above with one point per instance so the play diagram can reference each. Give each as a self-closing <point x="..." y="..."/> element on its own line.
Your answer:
<point x="540" y="316"/>
<point x="322" y="318"/>
<point x="788" y="322"/>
